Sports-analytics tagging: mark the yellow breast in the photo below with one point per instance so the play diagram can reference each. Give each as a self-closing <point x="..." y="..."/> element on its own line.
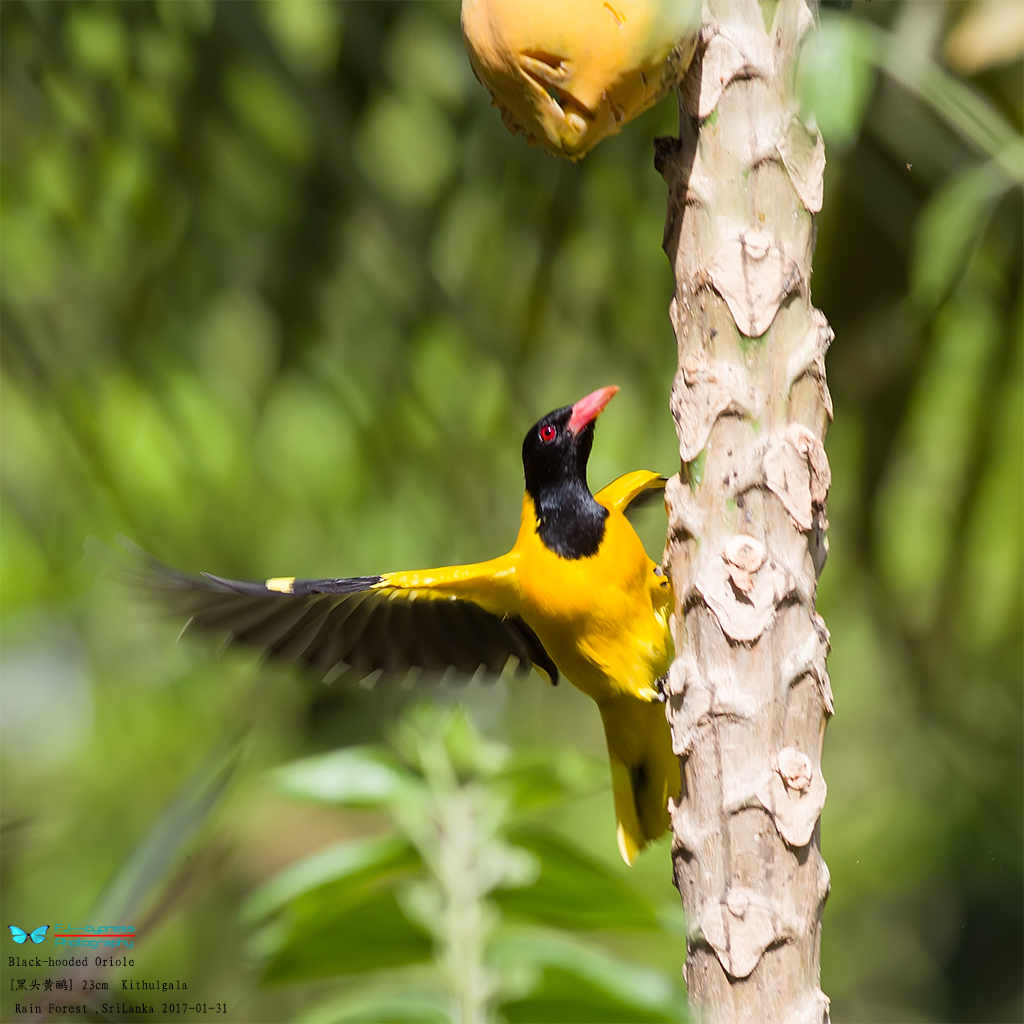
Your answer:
<point x="603" y="619"/>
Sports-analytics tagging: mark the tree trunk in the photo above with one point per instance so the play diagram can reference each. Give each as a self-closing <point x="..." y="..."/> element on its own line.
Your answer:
<point x="749" y="694"/>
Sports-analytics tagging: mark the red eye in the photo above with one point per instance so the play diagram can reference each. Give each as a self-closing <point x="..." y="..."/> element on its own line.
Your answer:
<point x="547" y="433"/>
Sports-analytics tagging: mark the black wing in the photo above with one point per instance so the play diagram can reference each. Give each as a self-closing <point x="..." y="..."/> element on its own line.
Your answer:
<point x="339" y="626"/>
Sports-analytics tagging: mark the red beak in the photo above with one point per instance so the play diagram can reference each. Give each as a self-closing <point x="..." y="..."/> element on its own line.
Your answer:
<point x="587" y="409"/>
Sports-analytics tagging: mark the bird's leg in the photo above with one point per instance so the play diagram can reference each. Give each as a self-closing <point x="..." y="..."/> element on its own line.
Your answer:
<point x="660" y="685"/>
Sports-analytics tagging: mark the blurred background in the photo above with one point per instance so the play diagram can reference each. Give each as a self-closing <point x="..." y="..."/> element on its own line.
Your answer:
<point x="280" y="295"/>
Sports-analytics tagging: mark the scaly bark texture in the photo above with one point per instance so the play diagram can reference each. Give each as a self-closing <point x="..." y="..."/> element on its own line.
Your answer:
<point x="749" y="695"/>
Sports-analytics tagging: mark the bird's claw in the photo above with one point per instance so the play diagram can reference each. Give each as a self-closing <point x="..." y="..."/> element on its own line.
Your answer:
<point x="660" y="684"/>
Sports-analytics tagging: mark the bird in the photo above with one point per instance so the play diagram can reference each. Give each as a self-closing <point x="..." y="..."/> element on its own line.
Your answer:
<point x="577" y="595"/>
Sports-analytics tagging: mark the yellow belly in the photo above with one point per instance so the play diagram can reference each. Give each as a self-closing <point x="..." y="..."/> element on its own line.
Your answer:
<point x="603" y="619"/>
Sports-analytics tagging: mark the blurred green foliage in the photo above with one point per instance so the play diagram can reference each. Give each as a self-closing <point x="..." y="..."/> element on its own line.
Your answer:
<point x="459" y="883"/>
<point x="279" y="295"/>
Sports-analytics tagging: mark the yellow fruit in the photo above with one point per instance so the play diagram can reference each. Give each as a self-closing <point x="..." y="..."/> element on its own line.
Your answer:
<point x="567" y="73"/>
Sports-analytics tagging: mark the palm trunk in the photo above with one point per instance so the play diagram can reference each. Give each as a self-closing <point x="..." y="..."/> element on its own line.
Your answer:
<point x="749" y="695"/>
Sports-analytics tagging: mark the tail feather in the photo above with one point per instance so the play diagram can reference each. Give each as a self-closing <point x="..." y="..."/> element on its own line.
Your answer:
<point x="645" y="772"/>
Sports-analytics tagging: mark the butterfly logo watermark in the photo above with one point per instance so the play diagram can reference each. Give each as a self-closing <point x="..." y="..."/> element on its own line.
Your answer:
<point x="36" y="935"/>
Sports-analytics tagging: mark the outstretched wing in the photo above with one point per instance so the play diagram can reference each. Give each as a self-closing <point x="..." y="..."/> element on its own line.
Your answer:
<point x="17" y="933"/>
<point x="632" y="491"/>
<point x="355" y="625"/>
<point x="38" y="934"/>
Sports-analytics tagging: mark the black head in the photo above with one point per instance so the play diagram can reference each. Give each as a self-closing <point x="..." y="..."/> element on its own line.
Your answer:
<point x="555" y="454"/>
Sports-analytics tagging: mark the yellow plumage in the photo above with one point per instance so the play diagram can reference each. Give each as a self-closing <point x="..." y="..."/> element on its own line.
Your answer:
<point x="604" y="621"/>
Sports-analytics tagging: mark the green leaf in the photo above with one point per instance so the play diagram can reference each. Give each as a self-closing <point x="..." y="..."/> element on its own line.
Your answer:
<point x="567" y="998"/>
<point x="328" y="936"/>
<point x="442" y="743"/>
<point x="580" y="983"/>
<point x="574" y="890"/>
<point x="536" y="778"/>
<point x="269" y="110"/>
<point x="345" y="867"/>
<point x="948" y="228"/>
<point x="353" y="777"/>
<point x="339" y="913"/>
<point x="966" y="110"/>
<point x="920" y="496"/>
<point x="470" y="753"/>
<point x="991" y="592"/>
<point x="835" y="80"/>
<point x="406" y="147"/>
<point x="150" y="861"/>
<point x="423" y="57"/>
<point x="307" y="34"/>
<point x="385" y="1007"/>
<point x="98" y="40"/>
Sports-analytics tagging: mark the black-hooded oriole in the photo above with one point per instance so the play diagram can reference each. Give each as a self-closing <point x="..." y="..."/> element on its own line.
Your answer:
<point x="577" y="594"/>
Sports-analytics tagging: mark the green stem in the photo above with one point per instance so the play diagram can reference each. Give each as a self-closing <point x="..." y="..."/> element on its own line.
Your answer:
<point x="465" y="924"/>
<point x="961" y="108"/>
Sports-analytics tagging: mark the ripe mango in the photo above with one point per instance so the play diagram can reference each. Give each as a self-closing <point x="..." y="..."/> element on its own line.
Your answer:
<point x="568" y="73"/>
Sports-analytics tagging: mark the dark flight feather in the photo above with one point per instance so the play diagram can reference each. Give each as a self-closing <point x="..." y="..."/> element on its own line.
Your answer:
<point x="339" y="626"/>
